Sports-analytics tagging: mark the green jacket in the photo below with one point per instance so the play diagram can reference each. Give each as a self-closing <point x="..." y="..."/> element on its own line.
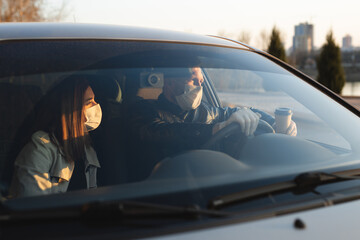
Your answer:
<point x="41" y="168"/>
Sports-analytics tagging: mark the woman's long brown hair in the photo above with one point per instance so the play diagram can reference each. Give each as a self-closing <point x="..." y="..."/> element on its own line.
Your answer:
<point x="61" y="115"/>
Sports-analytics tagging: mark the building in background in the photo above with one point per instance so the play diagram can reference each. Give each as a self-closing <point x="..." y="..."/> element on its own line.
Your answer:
<point x="347" y="43"/>
<point x="303" y="40"/>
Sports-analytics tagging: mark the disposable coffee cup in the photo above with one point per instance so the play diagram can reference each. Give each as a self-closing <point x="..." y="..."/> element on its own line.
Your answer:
<point x="282" y="119"/>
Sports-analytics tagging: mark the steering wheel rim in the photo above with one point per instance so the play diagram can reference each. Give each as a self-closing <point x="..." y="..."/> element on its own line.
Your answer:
<point x="234" y="128"/>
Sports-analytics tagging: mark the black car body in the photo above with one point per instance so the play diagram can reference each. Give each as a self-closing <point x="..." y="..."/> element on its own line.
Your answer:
<point x="194" y="191"/>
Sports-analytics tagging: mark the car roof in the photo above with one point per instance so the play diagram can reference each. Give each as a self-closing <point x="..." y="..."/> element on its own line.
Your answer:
<point x="26" y="31"/>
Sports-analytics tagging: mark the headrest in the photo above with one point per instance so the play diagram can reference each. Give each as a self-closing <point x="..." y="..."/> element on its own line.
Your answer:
<point x="105" y="88"/>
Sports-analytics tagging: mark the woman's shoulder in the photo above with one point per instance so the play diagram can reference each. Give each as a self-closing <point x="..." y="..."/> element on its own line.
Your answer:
<point x="41" y="136"/>
<point x="42" y="139"/>
<point x="38" y="153"/>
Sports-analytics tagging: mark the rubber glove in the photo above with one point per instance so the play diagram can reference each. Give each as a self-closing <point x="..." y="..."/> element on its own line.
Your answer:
<point x="291" y="130"/>
<point x="247" y="119"/>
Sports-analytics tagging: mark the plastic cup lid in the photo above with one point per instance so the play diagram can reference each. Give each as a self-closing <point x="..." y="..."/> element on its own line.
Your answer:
<point x="283" y="111"/>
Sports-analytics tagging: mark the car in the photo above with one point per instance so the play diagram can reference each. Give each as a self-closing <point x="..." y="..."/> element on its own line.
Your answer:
<point x="226" y="185"/>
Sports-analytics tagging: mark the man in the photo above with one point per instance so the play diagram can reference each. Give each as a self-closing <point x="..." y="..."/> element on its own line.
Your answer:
<point x="179" y="120"/>
<point x="186" y="92"/>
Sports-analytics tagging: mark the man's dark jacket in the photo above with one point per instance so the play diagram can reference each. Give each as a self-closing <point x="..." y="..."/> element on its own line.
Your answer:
<point x="160" y="128"/>
<point x="172" y="129"/>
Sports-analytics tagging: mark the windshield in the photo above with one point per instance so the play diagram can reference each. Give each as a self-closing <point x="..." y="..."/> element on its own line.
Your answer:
<point x="156" y="121"/>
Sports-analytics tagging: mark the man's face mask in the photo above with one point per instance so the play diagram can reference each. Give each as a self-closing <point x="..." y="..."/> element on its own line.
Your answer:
<point x="93" y="117"/>
<point x="191" y="98"/>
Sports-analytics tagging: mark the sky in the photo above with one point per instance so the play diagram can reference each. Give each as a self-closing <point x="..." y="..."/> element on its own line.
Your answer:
<point x="226" y="17"/>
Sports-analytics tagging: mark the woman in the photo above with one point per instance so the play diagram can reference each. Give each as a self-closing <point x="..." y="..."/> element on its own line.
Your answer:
<point x="58" y="155"/>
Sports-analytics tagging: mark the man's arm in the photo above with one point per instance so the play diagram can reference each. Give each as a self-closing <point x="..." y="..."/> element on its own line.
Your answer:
<point x="292" y="129"/>
<point x="150" y="125"/>
<point x="264" y="116"/>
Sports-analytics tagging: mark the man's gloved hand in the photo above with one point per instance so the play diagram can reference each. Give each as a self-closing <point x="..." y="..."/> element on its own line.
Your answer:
<point x="247" y="119"/>
<point x="291" y="130"/>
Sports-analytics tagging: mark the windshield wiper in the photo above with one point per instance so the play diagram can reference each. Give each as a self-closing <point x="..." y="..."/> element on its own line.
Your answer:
<point x="302" y="183"/>
<point x="133" y="209"/>
<point x="113" y="210"/>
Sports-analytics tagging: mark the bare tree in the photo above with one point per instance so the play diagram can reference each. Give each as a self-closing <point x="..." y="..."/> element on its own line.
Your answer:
<point x="223" y="33"/>
<point x="26" y="11"/>
<point x="57" y="13"/>
<point x="263" y="40"/>
<point x="244" y="37"/>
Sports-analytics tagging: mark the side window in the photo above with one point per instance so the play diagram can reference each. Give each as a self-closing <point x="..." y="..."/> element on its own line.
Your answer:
<point x="151" y="83"/>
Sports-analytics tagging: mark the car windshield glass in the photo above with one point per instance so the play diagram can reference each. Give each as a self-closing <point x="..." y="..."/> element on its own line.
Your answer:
<point x="160" y="119"/>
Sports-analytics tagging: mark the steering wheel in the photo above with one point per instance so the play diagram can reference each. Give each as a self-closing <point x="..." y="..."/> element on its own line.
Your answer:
<point x="237" y="138"/>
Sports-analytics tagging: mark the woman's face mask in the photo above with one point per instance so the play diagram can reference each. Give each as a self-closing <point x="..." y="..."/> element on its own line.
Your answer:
<point x="93" y="117"/>
<point x="191" y="98"/>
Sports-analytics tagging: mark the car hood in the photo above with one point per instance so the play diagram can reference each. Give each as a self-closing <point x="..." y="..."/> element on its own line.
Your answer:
<point x="321" y="223"/>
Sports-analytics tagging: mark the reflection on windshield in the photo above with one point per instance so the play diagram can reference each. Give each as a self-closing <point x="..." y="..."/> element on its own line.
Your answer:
<point x="255" y="90"/>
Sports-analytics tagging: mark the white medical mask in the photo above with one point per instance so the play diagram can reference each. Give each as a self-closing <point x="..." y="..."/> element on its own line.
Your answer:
<point x="191" y="98"/>
<point x="93" y="117"/>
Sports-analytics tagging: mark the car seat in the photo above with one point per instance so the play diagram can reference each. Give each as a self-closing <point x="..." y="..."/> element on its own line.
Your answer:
<point x="109" y="138"/>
